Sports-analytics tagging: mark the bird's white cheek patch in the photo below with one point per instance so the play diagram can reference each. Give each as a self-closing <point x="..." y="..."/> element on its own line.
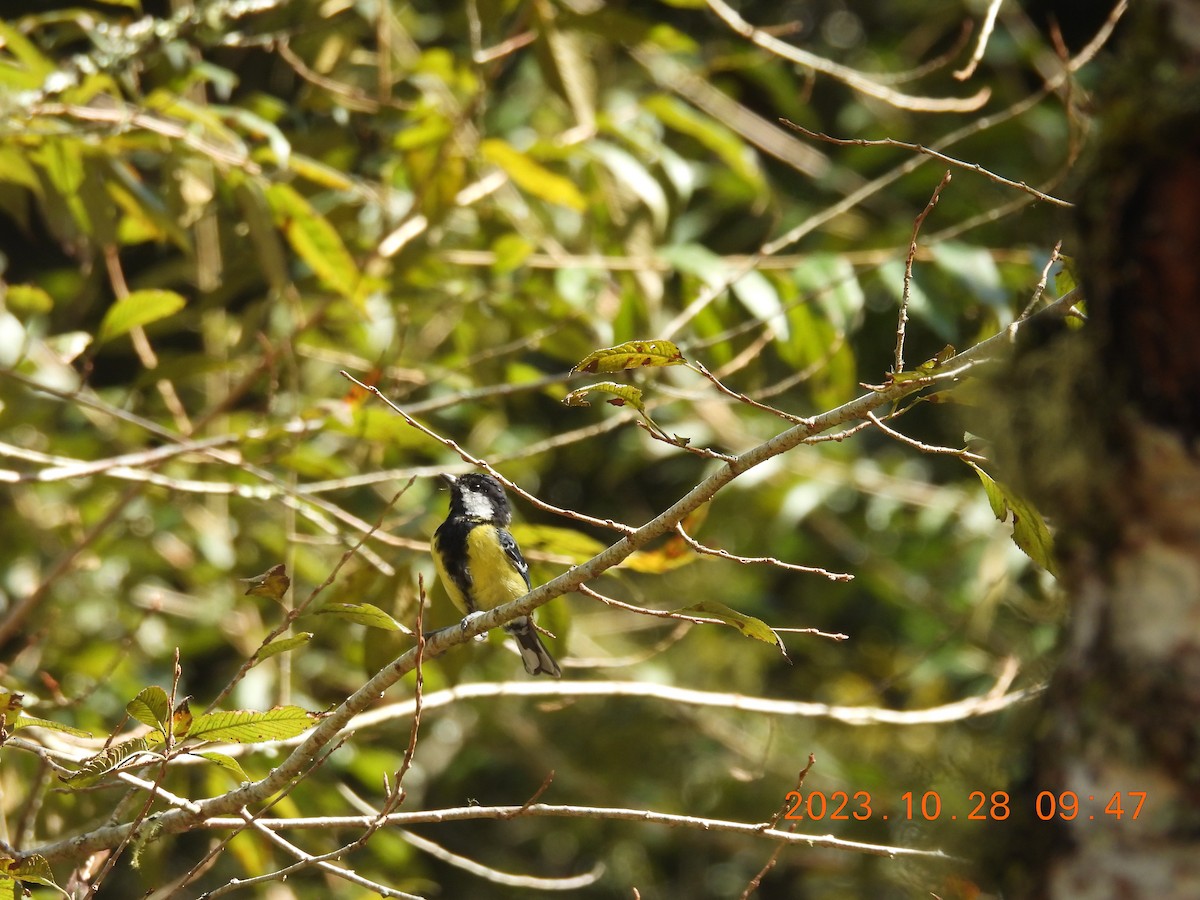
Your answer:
<point x="477" y="506"/>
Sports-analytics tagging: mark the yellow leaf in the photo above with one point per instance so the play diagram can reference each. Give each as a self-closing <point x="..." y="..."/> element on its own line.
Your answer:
<point x="631" y="355"/>
<point x="532" y="177"/>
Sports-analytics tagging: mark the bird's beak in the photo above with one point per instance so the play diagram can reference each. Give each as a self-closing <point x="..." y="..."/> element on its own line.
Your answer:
<point x="448" y="479"/>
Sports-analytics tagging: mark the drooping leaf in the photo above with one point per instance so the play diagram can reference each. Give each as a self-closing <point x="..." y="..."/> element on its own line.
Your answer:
<point x="284" y="645"/>
<point x="1030" y="531"/>
<point x="630" y="355"/>
<point x="361" y="614"/>
<point x="622" y="394"/>
<point x="747" y="625"/>
<point x="94" y="769"/>
<point x="228" y="763"/>
<point x="248" y="726"/>
<point x="137" y="309"/>
<point x="28" y="870"/>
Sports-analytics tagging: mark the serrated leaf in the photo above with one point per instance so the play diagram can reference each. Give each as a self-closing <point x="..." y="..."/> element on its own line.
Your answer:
<point x="151" y="707"/>
<point x="24" y="721"/>
<point x="1030" y="531"/>
<point x="314" y="239"/>
<point x="30" y="870"/>
<point x="276" y="647"/>
<point x="363" y="614"/>
<point x="248" y="726"/>
<point x="228" y="763"/>
<point x="137" y="309"/>
<point x="747" y="625"/>
<point x="630" y="355"/>
<point x="95" y="768"/>
<point x="622" y="394"/>
<point x="532" y="177"/>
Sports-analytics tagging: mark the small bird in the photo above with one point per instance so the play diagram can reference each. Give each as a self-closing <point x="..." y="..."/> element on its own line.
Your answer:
<point x="481" y="565"/>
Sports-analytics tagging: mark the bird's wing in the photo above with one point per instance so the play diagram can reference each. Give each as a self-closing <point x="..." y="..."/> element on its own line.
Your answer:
<point x="513" y="552"/>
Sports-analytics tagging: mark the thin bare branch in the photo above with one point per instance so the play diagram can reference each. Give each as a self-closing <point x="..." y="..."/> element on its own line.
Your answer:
<point x="759" y="560"/>
<point x="935" y="154"/>
<point x="985" y="34"/>
<point x="847" y="76"/>
<point x="902" y="318"/>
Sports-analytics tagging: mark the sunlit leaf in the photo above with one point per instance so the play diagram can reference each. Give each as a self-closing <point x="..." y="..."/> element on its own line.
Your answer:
<point x="630" y="355"/>
<point x="532" y="177"/>
<point x="151" y="707"/>
<point x="362" y="614"/>
<point x="247" y="726"/>
<point x="747" y="625"/>
<point x="622" y="394"/>
<point x="97" y="767"/>
<point x="314" y="239"/>
<point x="228" y="763"/>
<point x="284" y="645"/>
<point x="137" y="309"/>
<point x="32" y="869"/>
<point x="633" y="176"/>
<point x="1030" y="531"/>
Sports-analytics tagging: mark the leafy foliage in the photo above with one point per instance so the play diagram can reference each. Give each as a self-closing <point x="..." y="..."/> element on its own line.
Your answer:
<point x="207" y="215"/>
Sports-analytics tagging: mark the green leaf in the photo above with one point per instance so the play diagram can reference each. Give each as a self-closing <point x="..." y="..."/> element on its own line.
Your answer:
<point x="622" y="394"/>
<point x="151" y="707"/>
<point x="283" y="646"/>
<point x="633" y="176"/>
<point x="30" y="870"/>
<point x="315" y="240"/>
<point x="247" y="726"/>
<point x="830" y="283"/>
<point x="24" y="721"/>
<point x="137" y="309"/>
<point x="747" y="625"/>
<point x="1030" y="531"/>
<point x="532" y="177"/>
<point x="362" y="614"/>
<point x="28" y="299"/>
<point x="228" y="763"/>
<point x="551" y="540"/>
<point x="102" y="764"/>
<point x="976" y="268"/>
<point x="630" y="355"/>
<point x="1066" y="278"/>
<point x="751" y="288"/>
<point x="710" y="133"/>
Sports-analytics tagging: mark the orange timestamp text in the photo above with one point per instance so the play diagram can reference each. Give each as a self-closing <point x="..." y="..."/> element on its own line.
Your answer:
<point x="980" y="806"/>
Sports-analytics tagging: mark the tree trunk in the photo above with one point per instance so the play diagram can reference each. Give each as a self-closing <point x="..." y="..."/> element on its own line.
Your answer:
<point x="1118" y="470"/>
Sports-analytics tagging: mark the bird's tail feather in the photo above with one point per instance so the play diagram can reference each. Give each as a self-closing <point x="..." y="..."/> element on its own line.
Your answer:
<point x="534" y="655"/>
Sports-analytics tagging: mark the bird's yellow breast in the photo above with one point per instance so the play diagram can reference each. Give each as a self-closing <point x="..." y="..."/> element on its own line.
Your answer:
<point x="494" y="578"/>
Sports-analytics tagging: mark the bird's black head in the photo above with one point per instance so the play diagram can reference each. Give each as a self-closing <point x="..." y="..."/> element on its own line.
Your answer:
<point x="478" y="497"/>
